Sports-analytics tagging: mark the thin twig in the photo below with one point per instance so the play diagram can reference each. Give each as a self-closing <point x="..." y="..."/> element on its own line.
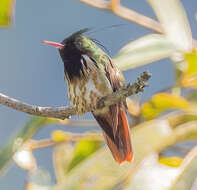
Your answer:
<point x="66" y="112"/>
<point x="38" y="144"/>
<point x="76" y="122"/>
<point x="125" y="13"/>
<point x="129" y="14"/>
<point x="133" y="16"/>
<point x="69" y="137"/>
<point x="97" y="3"/>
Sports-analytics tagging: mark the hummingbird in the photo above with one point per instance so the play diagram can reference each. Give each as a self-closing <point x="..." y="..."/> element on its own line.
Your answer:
<point x="90" y="75"/>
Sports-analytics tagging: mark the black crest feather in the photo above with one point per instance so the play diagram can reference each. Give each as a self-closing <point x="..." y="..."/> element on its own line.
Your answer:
<point x="73" y="57"/>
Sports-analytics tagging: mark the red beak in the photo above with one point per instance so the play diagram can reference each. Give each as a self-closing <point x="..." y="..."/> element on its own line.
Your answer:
<point x="57" y="45"/>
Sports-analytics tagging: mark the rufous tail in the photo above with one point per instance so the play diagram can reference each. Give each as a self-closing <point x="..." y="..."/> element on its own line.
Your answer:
<point x="116" y="132"/>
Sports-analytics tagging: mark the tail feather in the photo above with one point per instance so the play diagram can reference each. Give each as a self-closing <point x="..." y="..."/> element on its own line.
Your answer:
<point x="119" y="143"/>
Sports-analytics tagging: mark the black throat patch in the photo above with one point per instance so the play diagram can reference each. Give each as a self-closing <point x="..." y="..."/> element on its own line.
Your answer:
<point x="73" y="60"/>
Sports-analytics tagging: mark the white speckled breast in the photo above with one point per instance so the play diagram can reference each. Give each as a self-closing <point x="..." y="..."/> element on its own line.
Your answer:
<point x="85" y="91"/>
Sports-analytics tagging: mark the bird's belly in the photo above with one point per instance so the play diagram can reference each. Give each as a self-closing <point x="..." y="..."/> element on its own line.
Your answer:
<point x="85" y="93"/>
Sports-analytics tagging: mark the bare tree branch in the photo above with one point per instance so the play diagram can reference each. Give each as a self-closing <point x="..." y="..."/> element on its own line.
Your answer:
<point x="55" y="112"/>
<point x="66" y="112"/>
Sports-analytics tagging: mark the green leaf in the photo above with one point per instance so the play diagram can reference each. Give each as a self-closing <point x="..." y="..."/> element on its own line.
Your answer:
<point x="161" y="102"/>
<point x="191" y="59"/>
<point x="142" y="51"/>
<point x="189" y="78"/>
<point x="6" y="12"/>
<point x="18" y="139"/>
<point x="83" y="149"/>
<point x="173" y="18"/>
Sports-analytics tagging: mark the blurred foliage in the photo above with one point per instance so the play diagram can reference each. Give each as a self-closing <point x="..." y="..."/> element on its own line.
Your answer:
<point x="19" y="138"/>
<point x="186" y="179"/>
<point x="59" y="136"/>
<point x="153" y="47"/>
<point x="81" y="161"/>
<point x="161" y="102"/>
<point x="83" y="149"/>
<point x="189" y="78"/>
<point x="171" y="161"/>
<point x="6" y="12"/>
<point x="39" y="180"/>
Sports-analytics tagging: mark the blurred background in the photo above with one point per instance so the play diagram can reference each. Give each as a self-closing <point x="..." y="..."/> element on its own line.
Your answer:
<point x="33" y="72"/>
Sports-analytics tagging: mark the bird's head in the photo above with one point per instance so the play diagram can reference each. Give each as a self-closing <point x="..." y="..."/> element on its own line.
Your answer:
<point x="71" y="50"/>
<point x="75" y="42"/>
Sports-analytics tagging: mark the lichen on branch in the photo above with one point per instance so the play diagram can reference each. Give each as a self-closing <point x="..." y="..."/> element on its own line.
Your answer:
<point x="65" y="111"/>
